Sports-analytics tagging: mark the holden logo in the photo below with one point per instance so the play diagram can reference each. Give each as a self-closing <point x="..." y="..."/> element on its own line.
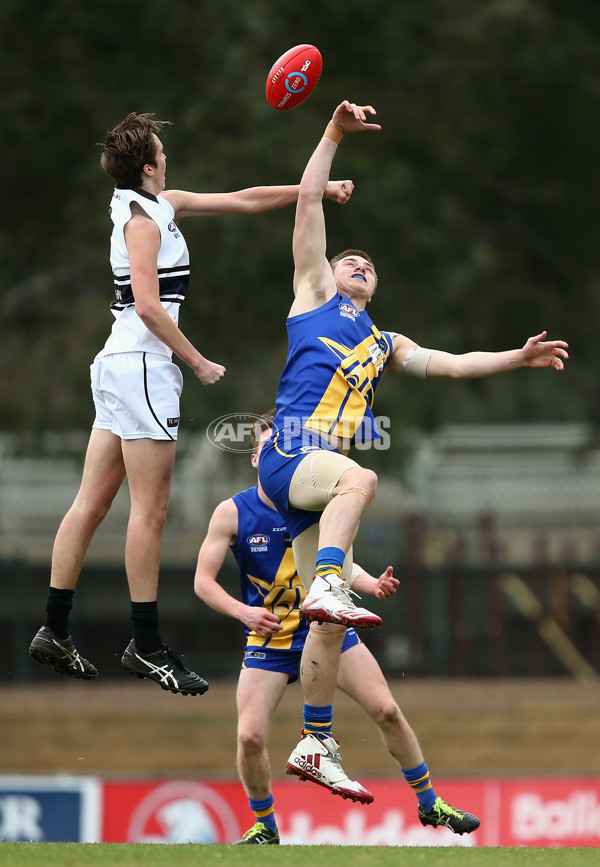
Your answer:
<point x="183" y="812"/>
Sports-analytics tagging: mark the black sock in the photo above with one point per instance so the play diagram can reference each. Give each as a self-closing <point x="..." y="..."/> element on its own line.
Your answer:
<point x="145" y="627"/>
<point x="58" y="607"/>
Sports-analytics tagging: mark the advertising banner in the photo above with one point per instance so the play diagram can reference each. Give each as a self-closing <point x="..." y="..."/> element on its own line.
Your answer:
<point x="516" y="811"/>
<point x="513" y="812"/>
<point x="50" y="809"/>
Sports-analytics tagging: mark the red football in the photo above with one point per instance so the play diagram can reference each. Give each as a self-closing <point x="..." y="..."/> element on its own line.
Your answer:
<point x="293" y="77"/>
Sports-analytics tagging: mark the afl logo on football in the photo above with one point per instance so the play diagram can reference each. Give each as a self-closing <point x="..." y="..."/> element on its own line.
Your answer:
<point x="258" y="539"/>
<point x="348" y="311"/>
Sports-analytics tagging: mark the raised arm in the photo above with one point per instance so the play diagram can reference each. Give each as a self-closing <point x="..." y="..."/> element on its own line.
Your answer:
<point x="222" y="531"/>
<point x="253" y="200"/>
<point x="313" y="278"/>
<point x="410" y="358"/>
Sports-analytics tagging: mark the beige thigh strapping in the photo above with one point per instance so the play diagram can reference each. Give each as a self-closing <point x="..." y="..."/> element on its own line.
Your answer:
<point x="315" y="478"/>
<point x="305" y="548"/>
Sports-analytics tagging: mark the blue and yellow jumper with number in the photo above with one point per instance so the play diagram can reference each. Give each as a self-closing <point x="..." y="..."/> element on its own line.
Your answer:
<point x="336" y="358"/>
<point x="268" y="575"/>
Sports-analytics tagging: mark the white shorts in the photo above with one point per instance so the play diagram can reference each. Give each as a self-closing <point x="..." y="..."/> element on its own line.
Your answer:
<point x="136" y="395"/>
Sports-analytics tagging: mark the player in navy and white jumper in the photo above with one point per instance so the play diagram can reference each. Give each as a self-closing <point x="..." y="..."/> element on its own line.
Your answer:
<point x="136" y="390"/>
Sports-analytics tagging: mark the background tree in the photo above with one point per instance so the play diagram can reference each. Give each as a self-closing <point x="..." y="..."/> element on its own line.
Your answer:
<point x="477" y="200"/>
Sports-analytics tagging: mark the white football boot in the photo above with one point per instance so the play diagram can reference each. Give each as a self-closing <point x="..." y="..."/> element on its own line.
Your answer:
<point x="319" y="761"/>
<point x="328" y="601"/>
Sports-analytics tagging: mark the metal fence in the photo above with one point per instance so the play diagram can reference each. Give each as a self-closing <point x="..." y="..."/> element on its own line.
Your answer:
<point x="492" y="531"/>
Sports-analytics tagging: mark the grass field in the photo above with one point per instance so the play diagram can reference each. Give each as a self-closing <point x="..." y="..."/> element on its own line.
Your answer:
<point x="150" y="855"/>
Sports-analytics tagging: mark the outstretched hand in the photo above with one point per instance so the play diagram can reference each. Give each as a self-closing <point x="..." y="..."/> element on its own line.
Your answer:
<point x="339" y="191"/>
<point x="386" y="584"/>
<point x="538" y="352"/>
<point x="350" y="117"/>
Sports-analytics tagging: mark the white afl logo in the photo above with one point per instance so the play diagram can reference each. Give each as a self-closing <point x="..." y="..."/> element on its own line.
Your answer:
<point x="258" y="539"/>
<point x="348" y="310"/>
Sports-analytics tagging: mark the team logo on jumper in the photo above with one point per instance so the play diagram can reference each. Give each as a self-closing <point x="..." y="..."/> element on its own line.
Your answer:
<point x="348" y="311"/>
<point x="172" y="227"/>
<point x="258" y="542"/>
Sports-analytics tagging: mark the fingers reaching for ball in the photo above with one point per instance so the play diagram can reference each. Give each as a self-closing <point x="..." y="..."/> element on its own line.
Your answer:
<point x="351" y="117"/>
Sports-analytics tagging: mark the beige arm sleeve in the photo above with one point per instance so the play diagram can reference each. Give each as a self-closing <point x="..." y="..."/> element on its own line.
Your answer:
<point x="416" y="362"/>
<point x="356" y="571"/>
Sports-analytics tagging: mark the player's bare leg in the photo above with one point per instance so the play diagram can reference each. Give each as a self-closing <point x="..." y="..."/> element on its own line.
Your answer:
<point x="361" y="678"/>
<point x="329" y="598"/>
<point x="103" y="474"/>
<point x="316" y="757"/>
<point x="149" y="466"/>
<point x="341" y="517"/>
<point x="258" y="694"/>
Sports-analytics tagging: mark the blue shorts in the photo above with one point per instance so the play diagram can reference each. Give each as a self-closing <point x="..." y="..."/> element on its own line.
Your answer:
<point x="279" y="457"/>
<point x="287" y="661"/>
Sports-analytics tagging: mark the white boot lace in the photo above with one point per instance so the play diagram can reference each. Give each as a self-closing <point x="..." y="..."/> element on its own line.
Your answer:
<point x="343" y="594"/>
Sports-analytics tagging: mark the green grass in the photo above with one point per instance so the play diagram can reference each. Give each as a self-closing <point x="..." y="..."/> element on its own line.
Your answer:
<point x="159" y="855"/>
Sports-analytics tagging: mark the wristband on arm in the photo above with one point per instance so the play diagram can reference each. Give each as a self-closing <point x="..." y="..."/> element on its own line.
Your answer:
<point x="334" y="133"/>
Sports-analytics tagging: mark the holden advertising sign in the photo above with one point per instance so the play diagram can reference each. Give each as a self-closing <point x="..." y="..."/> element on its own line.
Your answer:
<point x="513" y="812"/>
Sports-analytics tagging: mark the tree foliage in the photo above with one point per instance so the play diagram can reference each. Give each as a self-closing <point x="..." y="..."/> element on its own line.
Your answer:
<point x="477" y="200"/>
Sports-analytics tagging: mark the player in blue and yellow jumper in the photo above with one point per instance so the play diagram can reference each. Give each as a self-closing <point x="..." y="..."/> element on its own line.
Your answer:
<point x="271" y="595"/>
<point x="336" y="358"/>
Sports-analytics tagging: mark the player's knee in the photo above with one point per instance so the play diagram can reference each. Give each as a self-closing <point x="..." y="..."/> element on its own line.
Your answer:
<point x="160" y="519"/>
<point x="370" y="482"/>
<point x="251" y="742"/>
<point x="93" y="513"/>
<point x="387" y="714"/>
<point x="360" y="479"/>
<point x="153" y="521"/>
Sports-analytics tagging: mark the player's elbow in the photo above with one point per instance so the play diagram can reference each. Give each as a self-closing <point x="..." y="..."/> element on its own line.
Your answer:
<point x="147" y="311"/>
<point x="251" y="201"/>
<point x="199" y="585"/>
<point x="310" y="194"/>
<point x="250" y="205"/>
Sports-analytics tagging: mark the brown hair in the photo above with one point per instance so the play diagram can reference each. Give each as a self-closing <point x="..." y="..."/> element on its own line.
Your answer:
<point x="333" y="262"/>
<point x="265" y="422"/>
<point x="129" y="147"/>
